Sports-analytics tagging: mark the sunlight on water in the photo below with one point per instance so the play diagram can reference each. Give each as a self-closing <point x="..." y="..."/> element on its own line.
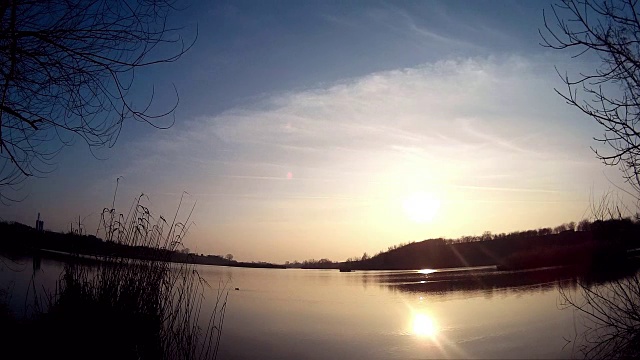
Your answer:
<point x="424" y="326"/>
<point x="426" y="271"/>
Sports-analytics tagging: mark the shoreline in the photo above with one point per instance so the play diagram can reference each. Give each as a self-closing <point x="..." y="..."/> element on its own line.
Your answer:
<point x="95" y="258"/>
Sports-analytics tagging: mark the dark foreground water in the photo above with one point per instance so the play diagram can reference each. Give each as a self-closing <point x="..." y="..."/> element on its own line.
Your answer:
<point x="325" y="314"/>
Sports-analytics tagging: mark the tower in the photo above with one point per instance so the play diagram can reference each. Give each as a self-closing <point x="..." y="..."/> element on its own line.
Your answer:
<point x="39" y="224"/>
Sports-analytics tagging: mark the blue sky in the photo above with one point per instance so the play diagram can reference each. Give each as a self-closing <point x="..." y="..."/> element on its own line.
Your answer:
<point x="312" y="129"/>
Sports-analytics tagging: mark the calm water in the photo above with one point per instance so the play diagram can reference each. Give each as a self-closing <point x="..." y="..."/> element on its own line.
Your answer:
<point x="320" y="314"/>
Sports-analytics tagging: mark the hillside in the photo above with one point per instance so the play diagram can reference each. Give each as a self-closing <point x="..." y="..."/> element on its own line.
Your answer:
<point x="601" y="241"/>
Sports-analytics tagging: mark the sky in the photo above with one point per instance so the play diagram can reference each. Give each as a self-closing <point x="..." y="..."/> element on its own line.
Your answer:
<point x="325" y="130"/>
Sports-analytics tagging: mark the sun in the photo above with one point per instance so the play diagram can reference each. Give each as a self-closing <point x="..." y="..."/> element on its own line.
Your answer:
<point x="421" y="207"/>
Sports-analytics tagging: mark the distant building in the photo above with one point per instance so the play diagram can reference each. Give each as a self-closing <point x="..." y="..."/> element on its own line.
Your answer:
<point x="39" y="224"/>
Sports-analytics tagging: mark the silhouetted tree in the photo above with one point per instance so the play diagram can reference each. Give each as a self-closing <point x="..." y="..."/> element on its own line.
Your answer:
<point x="66" y="71"/>
<point x="560" y="228"/>
<point x="611" y="317"/>
<point x="229" y="257"/>
<point x="544" y="231"/>
<point x="584" y="225"/>
<point x="611" y="93"/>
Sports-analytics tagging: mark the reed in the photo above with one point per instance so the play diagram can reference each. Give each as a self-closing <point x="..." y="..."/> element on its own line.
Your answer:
<point x="130" y="308"/>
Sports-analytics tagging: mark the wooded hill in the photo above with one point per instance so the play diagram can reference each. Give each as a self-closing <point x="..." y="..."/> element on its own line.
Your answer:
<point x="590" y="244"/>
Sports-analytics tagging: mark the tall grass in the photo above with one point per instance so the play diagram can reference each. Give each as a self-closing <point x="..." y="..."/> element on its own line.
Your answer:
<point x="130" y="308"/>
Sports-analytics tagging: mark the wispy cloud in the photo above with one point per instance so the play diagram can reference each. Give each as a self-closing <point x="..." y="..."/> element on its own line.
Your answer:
<point x="460" y="119"/>
<point x="408" y="21"/>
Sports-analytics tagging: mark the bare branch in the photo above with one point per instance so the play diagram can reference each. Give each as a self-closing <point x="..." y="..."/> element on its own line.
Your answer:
<point x="611" y="93"/>
<point x="66" y="71"/>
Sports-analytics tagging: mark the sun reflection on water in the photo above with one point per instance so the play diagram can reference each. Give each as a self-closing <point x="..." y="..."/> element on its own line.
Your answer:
<point x="426" y="271"/>
<point x="424" y="326"/>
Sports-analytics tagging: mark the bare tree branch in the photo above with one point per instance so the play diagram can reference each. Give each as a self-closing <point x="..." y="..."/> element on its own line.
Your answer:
<point x="610" y="94"/>
<point x="67" y="68"/>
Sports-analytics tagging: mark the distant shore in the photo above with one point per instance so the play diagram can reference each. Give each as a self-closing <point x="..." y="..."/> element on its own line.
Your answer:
<point x="63" y="256"/>
<point x="19" y="239"/>
<point x="593" y="245"/>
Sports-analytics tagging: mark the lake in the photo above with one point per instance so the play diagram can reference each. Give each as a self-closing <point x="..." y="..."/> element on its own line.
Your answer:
<point x="320" y="314"/>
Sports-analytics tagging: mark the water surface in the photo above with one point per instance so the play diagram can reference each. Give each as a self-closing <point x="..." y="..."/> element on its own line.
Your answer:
<point x="320" y="314"/>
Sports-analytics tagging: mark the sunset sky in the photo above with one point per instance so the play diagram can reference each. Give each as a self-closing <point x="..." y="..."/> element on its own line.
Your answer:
<point x="324" y="130"/>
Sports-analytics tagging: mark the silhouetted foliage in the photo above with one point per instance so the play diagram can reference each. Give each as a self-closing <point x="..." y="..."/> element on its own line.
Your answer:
<point x="67" y="68"/>
<point x="18" y="238"/>
<point x="312" y="264"/>
<point x="584" y="225"/>
<point x="587" y="245"/>
<point x="610" y="315"/>
<point x="604" y="241"/>
<point x="122" y="307"/>
<point x="610" y="94"/>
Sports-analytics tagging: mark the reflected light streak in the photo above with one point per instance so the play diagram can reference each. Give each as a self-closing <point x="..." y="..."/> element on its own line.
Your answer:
<point x="427" y="271"/>
<point x="460" y="257"/>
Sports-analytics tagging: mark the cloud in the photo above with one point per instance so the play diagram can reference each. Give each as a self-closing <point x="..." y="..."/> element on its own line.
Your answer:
<point x="409" y="22"/>
<point x="491" y="123"/>
<point x="449" y="104"/>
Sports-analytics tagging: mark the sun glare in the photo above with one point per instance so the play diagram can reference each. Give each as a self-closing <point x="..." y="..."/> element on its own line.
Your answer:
<point x="426" y="271"/>
<point x="424" y="326"/>
<point x="421" y="207"/>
